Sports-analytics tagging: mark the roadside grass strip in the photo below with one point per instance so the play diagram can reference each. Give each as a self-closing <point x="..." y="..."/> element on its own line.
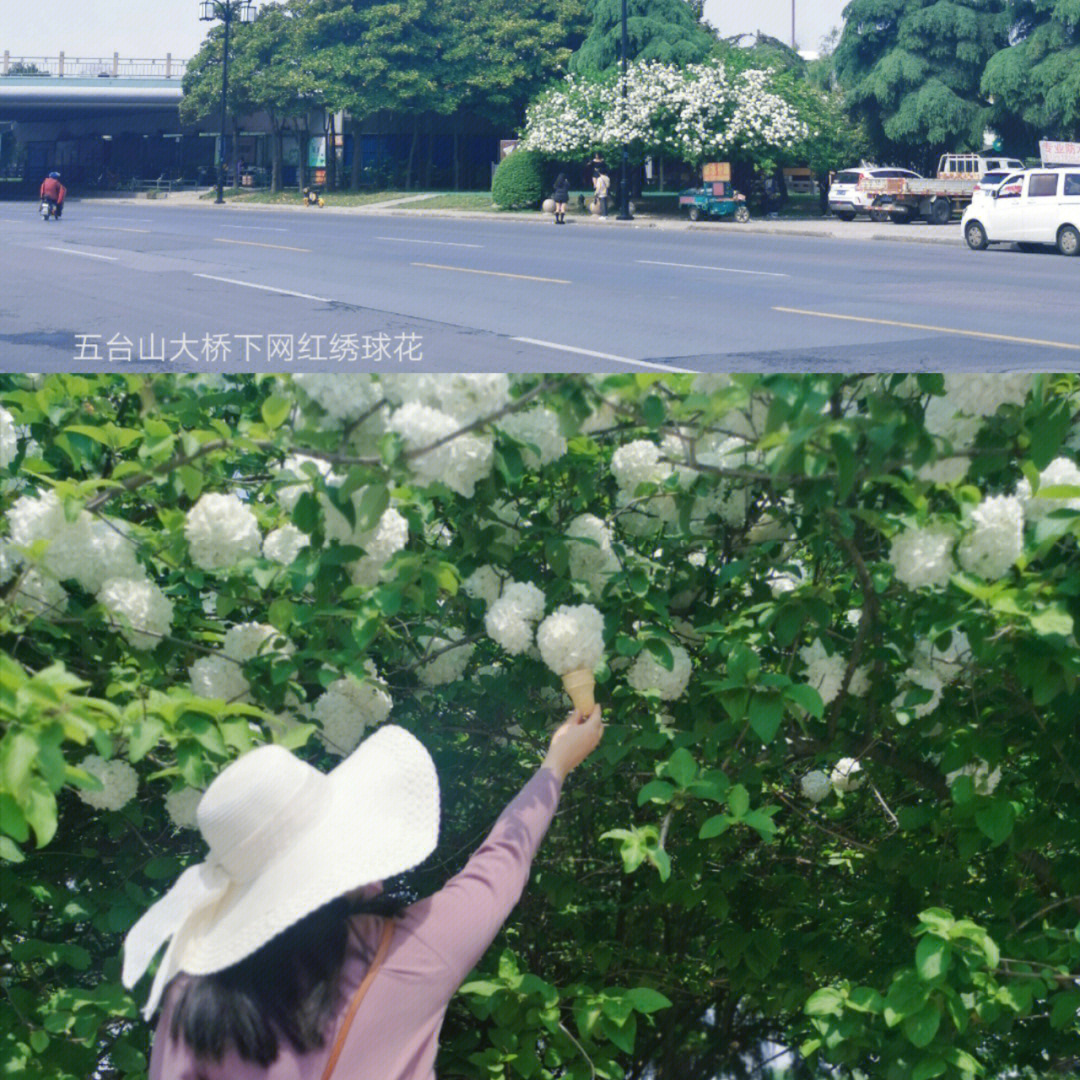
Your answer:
<point x="982" y="334"/>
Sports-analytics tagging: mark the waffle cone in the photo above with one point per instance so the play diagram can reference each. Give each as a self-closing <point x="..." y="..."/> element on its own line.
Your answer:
<point x="580" y="685"/>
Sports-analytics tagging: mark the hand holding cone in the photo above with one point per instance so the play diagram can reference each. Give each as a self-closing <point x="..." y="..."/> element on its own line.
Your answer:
<point x="580" y="685"/>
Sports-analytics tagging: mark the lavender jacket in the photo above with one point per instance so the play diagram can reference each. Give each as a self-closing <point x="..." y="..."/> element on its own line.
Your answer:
<point x="436" y="943"/>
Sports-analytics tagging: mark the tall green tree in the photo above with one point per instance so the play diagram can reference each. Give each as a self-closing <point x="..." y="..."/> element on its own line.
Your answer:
<point x="1035" y="80"/>
<point x="911" y="70"/>
<point x="666" y="30"/>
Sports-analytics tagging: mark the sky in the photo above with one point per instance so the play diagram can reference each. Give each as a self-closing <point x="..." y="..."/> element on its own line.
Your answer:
<point x="151" y="28"/>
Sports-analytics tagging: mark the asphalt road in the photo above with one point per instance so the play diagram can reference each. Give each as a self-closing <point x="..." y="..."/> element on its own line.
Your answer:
<point x="147" y="286"/>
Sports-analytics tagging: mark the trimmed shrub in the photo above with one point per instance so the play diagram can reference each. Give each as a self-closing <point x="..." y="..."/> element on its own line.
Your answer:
<point x="519" y="181"/>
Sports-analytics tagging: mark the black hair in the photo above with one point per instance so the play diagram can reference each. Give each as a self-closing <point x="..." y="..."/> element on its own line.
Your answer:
<point x="287" y="988"/>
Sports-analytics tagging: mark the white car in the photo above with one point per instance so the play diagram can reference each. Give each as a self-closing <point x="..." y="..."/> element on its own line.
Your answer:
<point x="846" y="197"/>
<point x="1032" y="208"/>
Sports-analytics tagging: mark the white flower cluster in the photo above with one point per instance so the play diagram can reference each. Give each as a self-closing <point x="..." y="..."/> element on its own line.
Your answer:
<point x="245" y="641"/>
<point x="996" y="540"/>
<point x="118" y="779"/>
<point x="284" y="544"/>
<point x="464" y="398"/>
<point x="459" y="463"/>
<point x="1061" y="472"/>
<point x="816" y="786"/>
<point x="511" y="618"/>
<point x="923" y="557"/>
<point x="729" y="501"/>
<point x="344" y="398"/>
<point x="9" y="438"/>
<point x="221" y="675"/>
<point x="647" y="673"/>
<point x="296" y="479"/>
<point x="592" y="558"/>
<point x="484" y="584"/>
<point x="452" y="659"/>
<point x="636" y="463"/>
<point x="571" y="638"/>
<point x="181" y="806"/>
<point x="946" y="663"/>
<point x="845" y="774"/>
<point x="825" y="673"/>
<point x="221" y="530"/>
<point x="96" y="552"/>
<point x="984" y="780"/>
<point x="348" y="707"/>
<point x="539" y="428"/>
<point x="920" y="678"/>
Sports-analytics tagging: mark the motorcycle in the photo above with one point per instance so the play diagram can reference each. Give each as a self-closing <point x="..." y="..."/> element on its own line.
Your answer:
<point x="48" y="209"/>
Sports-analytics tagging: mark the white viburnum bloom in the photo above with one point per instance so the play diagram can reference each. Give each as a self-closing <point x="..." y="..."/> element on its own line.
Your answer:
<point x="923" y="679"/>
<point x="510" y="619"/>
<point x="540" y="428"/>
<point x="463" y="397"/>
<point x="923" y="557"/>
<point x="40" y="594"/>
<point x="452" y="659"/>
<point x="109" y="553"/>
<point x="1061" y="472"/>
<point x="786" y="580"/>
<point x="181" y="806"/>
<point x="728" y="499"/>
<point x="245" y="641"/>
<point x="143" y="611"/>
<point x="118" y="779"/>
<point x="647" y="673"/>
<point x="845" y="775"/>
<point x="344" y="398"/>
<point x="459" y="463"/>
<point x="390" y="534"/>
<point x="35" y="518"/>
<point x="636" y="463"/>
<point x="592" y="558"/>
<point x="996" y="539"/>
<point x="484" y="584"/>
<point x="295" y="479"/>
<point x="284" y="544"/>
<point x="347" y="708"/>
<point x="816" y="786"/>
<point x="984" y="780"/>
<point x="945" y="470"/>
<point x="948" y="662"/>
<point x="9" y="438"/>
<point x="824" y="673"/>
<point x="571" y="638"/>
<point x="9" y="562"/>
<point x="216" y="676"/>
<point x="221" y="530"/>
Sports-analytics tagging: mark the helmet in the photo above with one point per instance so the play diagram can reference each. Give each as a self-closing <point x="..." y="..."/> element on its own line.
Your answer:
<point x="54" y="176"/>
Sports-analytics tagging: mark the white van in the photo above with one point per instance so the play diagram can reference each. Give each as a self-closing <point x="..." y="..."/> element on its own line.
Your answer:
<point x="1030" y="208"/>
<point x="846" y="195"/>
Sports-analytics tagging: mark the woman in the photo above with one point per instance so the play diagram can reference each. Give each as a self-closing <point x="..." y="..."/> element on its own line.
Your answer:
<point x="561" y="196"/>
<point x="284" y="961"/>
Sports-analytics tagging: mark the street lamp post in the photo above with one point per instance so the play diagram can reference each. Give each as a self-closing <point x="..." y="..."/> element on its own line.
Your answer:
<point x="624" y="195"/>
<point x="225" y="11"/>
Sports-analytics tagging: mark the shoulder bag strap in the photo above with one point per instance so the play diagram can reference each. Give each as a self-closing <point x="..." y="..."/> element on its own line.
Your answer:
<point x="346" y="1023"/>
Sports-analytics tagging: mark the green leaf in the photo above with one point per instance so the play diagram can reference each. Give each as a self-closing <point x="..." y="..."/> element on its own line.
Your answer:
<point x="906" y="996"/>
<point x="192" y="481"/>
<point x="932" y="957"/>
<point x="274" y="411"/>
<point x="39" y="806"/>
<point x="1052" y="621"/>
<point x="825" y="1002"/>
<point x="922" y="1027"/>
<point x="39" y="1041"/>
<point x="9" y="851"/>
<point x="659" y="791"/>
<point x="373" y="504"/>
<point x="962" y="1060"/>
<point x="807" y="698"/>
<point x="928" y="1068"/>
<point x="714" y="826"/>
<point x="645" y="1000"/>
<point x="681" y="767"/>
<point x="996" y="821"/>
<point x="738" y="801"/>
<point x="653" y="411"/>
<point x="12" y="820"/>
<point x="765" y="715"/>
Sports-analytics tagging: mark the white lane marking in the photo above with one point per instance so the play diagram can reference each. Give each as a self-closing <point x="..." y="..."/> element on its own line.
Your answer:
<point x="605" y="356"/>
<point x="440" y="243"/>
<point x="721" y="269"/>
<point x="494" y="273"/>
<point x="117" y="228"/>
<point x="265" y="288"/>
<point x="255" y="228"/>
<point x="102" y="217"/>
<point x="84" y="254"/>
<point x="256" y="243"/>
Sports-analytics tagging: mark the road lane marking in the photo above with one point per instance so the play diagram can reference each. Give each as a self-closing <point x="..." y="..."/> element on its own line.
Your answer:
<point x="106" y="217"/>
<point x="440" y="243"/>
<point x="116" y="228"/>
<point x="84" y="254"/>
<point x="605" y="356"/>
<point x="495" y="273"/>
<point x="255" y="243"/>
<point x="265" y="288"/>
<point x="721" y="269"/>
<point x="984" y="335"/>
<point x="256" y="228"/>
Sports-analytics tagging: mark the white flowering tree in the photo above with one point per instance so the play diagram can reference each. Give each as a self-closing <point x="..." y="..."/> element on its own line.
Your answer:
<point x="700" y="112"/>
<point x="831" y="622"/>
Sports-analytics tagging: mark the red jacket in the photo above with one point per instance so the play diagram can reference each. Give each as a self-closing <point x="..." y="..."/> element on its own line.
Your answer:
<point x="53" y="189"/>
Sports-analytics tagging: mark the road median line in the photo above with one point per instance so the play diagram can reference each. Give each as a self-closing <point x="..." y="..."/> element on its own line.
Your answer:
<point x="494" y="273"/>
<point x="982" y="334"/>
<point x="84" y="254"/>
<point x="255" y="243"/>
<point x="721" y="269"/>
<point x="605" y="356"/>
<point x="265" y="288"/>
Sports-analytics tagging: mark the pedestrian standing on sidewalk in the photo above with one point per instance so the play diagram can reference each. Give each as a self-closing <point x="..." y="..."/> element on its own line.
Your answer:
<point x="603" y="186"/>
<point x="285" y="960"/>
<point x="561" y="196"/>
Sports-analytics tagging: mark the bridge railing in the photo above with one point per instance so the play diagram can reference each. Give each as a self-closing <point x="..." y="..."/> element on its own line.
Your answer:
<point x="82" y="67"/>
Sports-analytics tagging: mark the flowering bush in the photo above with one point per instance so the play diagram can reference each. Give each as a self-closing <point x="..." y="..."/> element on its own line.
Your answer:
<point x="832" y="622"/>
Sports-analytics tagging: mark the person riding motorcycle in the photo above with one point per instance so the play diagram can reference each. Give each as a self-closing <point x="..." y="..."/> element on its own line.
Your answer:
<point x="53" y="191"/>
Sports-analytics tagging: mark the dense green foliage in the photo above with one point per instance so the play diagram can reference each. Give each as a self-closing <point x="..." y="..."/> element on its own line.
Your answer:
<point x="519" y="181"/>
<point x="795" y="572"/>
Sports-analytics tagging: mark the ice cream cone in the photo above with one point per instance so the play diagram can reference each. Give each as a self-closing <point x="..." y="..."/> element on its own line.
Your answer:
<point x="579" y="685"/>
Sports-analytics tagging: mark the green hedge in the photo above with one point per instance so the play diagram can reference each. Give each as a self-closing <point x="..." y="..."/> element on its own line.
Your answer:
<point x="518" y="182"/>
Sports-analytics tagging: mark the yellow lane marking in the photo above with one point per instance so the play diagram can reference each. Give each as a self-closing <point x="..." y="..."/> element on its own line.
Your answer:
<point x="935" y="329"/>
<point x="255" y="243"/>
<point x="494" y="273"/>
<point x="116" y="228"/>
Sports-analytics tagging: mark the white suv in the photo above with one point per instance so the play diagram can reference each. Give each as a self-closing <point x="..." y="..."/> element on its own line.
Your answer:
<point x="1032" y="208"/>
<point x="846" y="196"/>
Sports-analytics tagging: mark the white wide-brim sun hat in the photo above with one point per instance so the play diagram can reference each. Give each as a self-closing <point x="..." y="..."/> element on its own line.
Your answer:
<point x="284" y="840"/>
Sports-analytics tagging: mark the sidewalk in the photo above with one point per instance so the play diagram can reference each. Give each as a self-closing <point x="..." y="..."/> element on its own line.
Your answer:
<point x="918" y="232"/>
